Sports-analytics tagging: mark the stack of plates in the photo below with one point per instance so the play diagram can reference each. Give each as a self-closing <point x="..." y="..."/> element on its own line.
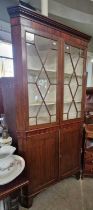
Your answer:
<point x="13" y="170"/>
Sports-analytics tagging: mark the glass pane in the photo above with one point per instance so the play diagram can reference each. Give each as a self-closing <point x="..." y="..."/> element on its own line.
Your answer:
<point x="78" y="105"/>
<point x="67" y="48"/>
<point x="72" y="112"/>
<point x="30" y="37"/>
<point x="43" y="83"/>
<point x="66" y="107"/>
<point x="52" y="77"/>
<point x="79" y="114"/>
<point x="33" y="110"/>
<point x="79" y="67"/>
<point x="79" y="78"/>
<point x="64" y="116"/>
<point x="67" y="94"/>
<point x="68" y="68"/>
<point x="43" y="45"/>
<point x="73" y="84"/>
<point x="53" y="118"/>
<point x="67" y="78"/>
<point x="43" y="115"/>
<point x="42" y="64"/>
<point x="52" y="108"/>
<point x="34" y="95"/>
<point x="33" y="60"/>
<point x="51" y="62"/>
<point x="78" y="96"/>
<point x="54" y="45"/>
<point x="32" y="121"/>
<point x="73" y="75"/>
<point x="75" y="53"/>
<point x="33" y="75"/>
<point x="51" y="95"/>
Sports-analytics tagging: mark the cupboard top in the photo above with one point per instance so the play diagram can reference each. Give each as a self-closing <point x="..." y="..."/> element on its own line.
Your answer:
<point x="23" y="10"/>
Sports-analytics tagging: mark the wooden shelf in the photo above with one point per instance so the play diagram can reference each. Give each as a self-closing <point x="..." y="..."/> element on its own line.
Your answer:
<point x="7" y="189"/>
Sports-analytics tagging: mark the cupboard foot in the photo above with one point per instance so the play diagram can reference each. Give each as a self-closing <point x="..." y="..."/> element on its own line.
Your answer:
<point x="77" y="175"/>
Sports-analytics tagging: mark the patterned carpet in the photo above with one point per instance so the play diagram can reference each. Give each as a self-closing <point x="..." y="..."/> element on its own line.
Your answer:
<point x="69" y="194"/>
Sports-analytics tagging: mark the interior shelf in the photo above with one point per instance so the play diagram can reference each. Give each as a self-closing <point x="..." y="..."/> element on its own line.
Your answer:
<point x="69" y="75"/>
<point x="68" y="102"/>
<point x="37" y="70"/>
<point x="47" y="103"/>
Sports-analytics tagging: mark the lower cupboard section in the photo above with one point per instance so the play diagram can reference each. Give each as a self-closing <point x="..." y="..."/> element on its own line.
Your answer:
<point x="52" y="155"/>
<point x="43" y="159"/>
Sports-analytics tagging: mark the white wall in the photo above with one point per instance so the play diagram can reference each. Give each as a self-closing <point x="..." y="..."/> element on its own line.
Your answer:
<point x="5" y="31"/>
<point x="90" y="70"/>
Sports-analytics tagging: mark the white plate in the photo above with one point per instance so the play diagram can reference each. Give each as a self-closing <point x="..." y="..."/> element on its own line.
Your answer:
<point x="17" y="169"/>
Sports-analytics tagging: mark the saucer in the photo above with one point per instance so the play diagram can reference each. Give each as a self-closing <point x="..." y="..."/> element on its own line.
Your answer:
<point x="14" y="171"/>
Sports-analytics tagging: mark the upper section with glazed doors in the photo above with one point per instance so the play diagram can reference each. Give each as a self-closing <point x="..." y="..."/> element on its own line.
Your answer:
<point x="73" y="80"/>
<point x="42" y="65"/>
<point x="42" y="71"/>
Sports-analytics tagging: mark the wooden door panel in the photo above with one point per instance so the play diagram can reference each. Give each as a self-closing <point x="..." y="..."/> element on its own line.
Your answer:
<point x="69" y="149"/>
<point x="43" y="159"/>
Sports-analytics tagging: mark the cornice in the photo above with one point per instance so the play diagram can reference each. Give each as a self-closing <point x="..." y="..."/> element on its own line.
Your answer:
<point x="24" y="10"/>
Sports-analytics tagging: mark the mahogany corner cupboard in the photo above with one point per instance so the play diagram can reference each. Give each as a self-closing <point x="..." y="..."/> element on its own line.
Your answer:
<point x="46" y="97"/>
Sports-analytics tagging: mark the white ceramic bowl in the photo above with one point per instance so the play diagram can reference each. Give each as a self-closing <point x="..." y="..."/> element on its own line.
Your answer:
<point x="6" y="161"/>
<point x="6" y="156"/>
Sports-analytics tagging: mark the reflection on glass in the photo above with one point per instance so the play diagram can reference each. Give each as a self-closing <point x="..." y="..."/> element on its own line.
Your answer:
<point x="42" y="59"/>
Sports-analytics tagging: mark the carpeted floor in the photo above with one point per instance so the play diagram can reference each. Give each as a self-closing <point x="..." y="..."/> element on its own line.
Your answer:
<point x="69" y="194"/>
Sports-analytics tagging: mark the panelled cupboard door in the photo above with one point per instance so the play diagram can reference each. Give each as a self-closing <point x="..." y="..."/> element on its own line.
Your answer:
<point x="70" y="141"/>
<point x="43" y="156"/>
<point x="42" y="79"/>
